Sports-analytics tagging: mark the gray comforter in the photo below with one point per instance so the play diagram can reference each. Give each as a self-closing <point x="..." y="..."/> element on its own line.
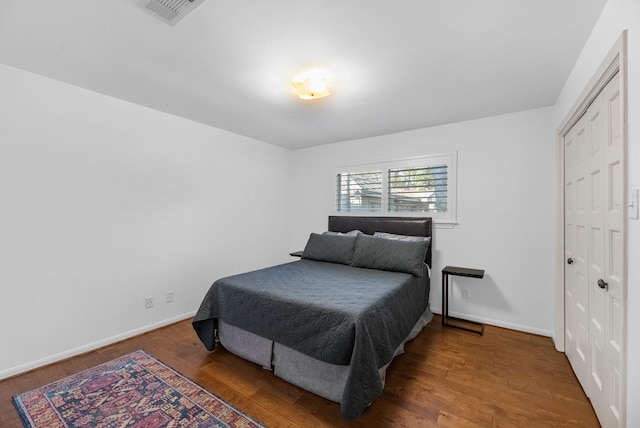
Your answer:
<point x="332" y="312"/>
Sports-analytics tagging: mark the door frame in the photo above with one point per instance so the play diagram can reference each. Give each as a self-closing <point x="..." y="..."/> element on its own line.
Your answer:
<point x="614" y="62"/>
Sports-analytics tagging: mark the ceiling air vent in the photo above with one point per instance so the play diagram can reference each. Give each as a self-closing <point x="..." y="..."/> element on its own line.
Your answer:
<point x="169" y="11"/>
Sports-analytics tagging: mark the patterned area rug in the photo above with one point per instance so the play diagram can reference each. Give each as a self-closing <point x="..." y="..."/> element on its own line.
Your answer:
<point x="135" y="390"/>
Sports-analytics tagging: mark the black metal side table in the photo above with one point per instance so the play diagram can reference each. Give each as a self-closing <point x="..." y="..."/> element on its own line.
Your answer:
<point x="473" y="326"/>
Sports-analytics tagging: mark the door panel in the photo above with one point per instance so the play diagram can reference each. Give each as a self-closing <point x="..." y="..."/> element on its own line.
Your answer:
<point x="598" y="124"/>
<point x="570" y="245"/>
<point x="577" y="247"/>
<point x="613" y="257"/>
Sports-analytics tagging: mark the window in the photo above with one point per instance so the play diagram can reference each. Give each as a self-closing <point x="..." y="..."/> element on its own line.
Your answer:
<point x="418" y="189"/>
<point x="359" y="191"/>
<point x="424" y="186"/>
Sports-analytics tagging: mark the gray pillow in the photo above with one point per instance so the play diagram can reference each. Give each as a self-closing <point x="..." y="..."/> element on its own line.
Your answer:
<point x="350" y="233"/>
<point x="390" y="254"/>
<point x="330" y="248"/>
<point x="401" y="237"/>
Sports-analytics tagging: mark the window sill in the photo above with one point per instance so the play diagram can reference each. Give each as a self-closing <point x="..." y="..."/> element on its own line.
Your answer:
<point x="444" y="224"/>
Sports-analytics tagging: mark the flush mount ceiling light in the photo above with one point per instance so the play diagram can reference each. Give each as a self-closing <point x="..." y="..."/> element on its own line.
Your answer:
<point x="313" y="84"/>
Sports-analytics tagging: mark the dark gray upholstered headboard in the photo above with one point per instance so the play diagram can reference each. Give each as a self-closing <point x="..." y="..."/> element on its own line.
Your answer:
<point x="413" y="226"/>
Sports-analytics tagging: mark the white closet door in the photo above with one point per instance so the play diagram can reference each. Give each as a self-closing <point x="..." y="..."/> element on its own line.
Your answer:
<point x="576" y="252"/>
<point x="598" y="123"/>
<point x="594" y="250"/>
<point x="569" y="245"/>
<point x="611" y="297"/>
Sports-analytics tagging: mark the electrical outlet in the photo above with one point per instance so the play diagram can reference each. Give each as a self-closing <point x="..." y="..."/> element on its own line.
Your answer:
<point x="169" y="296"/>
<point x="148" y="302"/>
<point x="465" y="293"/>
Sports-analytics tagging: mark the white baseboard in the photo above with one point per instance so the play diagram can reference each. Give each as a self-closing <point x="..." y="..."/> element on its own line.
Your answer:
<point x="90" y="346"/>
<point x="498" y="323"/>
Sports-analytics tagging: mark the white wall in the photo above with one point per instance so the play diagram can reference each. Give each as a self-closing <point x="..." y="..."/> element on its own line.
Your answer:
<point x="104" y="202"/>
<point x="617" y="16"/>
<point x="505" y="210"/>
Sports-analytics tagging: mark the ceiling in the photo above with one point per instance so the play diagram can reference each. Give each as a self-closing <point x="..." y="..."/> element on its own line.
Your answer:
<point x="397" y="65"/>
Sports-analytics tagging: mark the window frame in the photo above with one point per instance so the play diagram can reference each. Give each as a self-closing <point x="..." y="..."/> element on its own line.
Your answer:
<point x="443" y="219"/>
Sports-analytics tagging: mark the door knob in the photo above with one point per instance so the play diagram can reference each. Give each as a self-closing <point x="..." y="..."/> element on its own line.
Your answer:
<point x="602" y="284"/>
<point x="570" y="260"/>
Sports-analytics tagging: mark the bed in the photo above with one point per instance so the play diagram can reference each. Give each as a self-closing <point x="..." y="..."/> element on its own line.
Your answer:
<point x="333" y="321"/>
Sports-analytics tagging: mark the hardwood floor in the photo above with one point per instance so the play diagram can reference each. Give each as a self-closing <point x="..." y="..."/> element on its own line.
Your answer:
<point x="447" y="378"/>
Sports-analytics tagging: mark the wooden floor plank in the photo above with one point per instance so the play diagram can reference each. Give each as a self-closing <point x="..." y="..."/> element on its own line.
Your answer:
<point x="447" y="378"/>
